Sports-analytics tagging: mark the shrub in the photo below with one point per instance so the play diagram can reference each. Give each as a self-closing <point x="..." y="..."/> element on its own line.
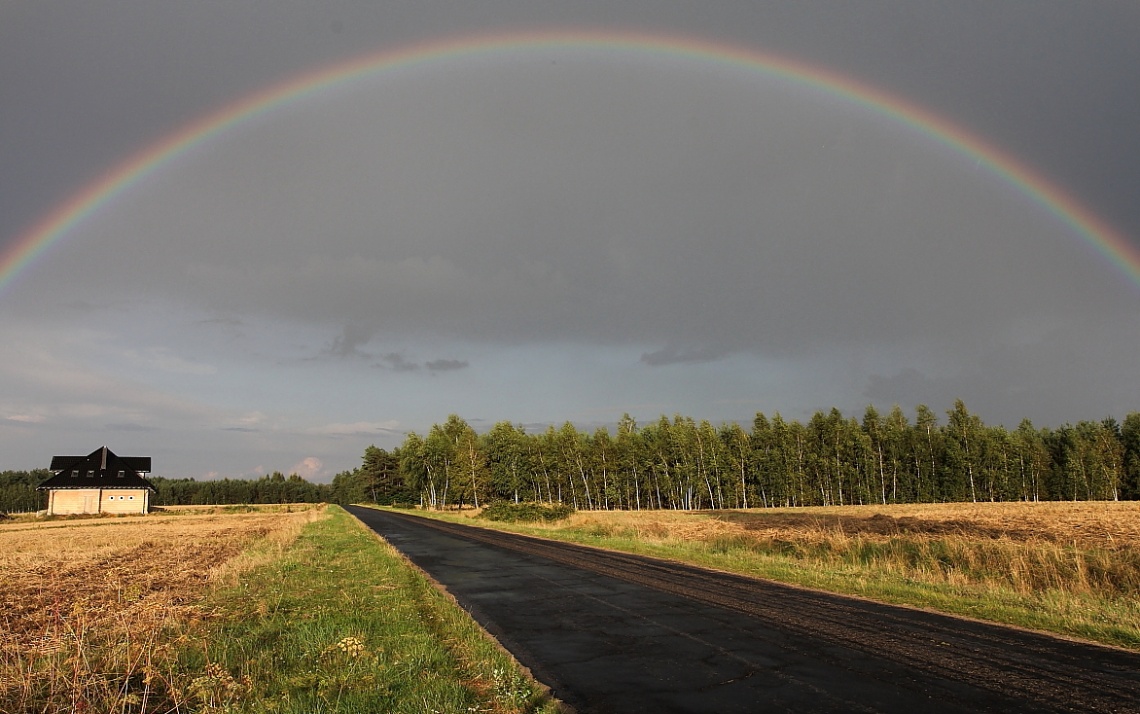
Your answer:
<point x="526" y="512"/>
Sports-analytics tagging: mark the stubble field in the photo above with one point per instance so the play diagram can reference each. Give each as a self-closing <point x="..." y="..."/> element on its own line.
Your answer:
<point x="236" y="609"/>
<point x="87" y="604"/>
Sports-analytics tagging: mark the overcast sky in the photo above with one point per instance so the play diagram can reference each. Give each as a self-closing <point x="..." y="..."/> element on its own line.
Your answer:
<point x="546" y="235"/>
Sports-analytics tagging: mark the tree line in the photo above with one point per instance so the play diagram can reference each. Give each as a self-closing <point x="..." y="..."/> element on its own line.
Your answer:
<point x="18" y="492"/>
<point x="831" y="459"/>
<point x="680" y="463"/>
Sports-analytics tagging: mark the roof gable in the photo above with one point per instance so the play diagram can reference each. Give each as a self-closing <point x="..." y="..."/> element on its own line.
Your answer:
<point x="99" y="469"/>
<point x="140" y="464"/>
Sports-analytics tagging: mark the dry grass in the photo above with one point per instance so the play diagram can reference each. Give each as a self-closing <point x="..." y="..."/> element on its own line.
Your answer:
<point x="1088" y="548"/>
<point x="1088" y="524"/>
<point x="88" y="606"/>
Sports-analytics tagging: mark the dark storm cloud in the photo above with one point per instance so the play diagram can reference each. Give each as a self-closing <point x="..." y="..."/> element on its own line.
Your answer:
<point x="639" y="205"/>
<point x="446" y="365"/>
<point x="223" y="321"/>
<point x="690" y="356"/>
<point x="397" y="363"/>
<point x="1049" y="79"/>
<point x="349" y="342"/>
<point x="1074" y="372"/>
<point x="564" y="213"/>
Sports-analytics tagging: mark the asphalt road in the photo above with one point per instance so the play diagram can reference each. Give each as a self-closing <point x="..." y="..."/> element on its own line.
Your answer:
<point x="610" y="632"/>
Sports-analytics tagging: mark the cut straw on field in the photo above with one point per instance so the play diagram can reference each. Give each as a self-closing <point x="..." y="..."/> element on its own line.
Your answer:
<point x="237" y="612"/>
<point x="91" y="607"/>
<point x="1085" y="548"/>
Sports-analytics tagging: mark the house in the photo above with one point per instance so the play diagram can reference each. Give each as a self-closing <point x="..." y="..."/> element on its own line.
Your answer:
<point x="100" y="482"/>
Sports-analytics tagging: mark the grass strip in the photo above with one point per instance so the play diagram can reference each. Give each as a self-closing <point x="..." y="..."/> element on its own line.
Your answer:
<point x="342" y="623"/>
<point x="856" y="570"/>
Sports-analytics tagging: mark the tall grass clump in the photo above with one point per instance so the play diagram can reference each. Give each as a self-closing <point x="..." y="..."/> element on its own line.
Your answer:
<point x="80" y="663"/>
<point x="1024" y="567"/>
<point x="526" y="512"/>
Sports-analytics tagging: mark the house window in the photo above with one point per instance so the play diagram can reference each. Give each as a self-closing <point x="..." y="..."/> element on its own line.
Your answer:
<point x="90" y="474"/>
<point x="75" y="473"/>
<point x="121" y="474"/>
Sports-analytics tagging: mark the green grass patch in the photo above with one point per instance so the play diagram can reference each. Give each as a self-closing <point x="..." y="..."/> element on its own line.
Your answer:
<point x="341" y="623"/>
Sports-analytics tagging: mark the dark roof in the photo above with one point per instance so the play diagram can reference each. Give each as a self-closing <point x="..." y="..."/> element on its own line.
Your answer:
<point x="136" y="463"/>
<point x="99" y="469"/>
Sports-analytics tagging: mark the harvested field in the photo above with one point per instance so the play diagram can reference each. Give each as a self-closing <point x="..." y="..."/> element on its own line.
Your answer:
<point x="1091" y="548"/>
<point x="84" y="602"/>
<point x="1087" y="524"/>
<point x="1095" y="524"/>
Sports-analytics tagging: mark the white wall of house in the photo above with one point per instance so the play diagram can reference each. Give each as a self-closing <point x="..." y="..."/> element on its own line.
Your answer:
<point x="117" y="500"/>
<point x="66" y="502"/>
<point x="63" y="502"/>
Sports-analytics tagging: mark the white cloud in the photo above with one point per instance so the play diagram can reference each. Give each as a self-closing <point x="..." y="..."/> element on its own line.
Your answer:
<point x="308" y="468"/>
<point x="28" y="418"/>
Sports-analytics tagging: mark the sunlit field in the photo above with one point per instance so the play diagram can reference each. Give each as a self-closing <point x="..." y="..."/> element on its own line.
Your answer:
<point x="89" y="604"/>
<point x="1072" y="568"/>
<point x="236" y="609"/>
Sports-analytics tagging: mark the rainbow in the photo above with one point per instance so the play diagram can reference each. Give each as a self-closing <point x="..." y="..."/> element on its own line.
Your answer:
<point x="52" y="228"/>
